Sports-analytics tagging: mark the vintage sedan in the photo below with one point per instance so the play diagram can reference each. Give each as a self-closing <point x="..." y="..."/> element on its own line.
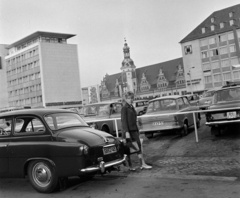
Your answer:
<point x="168" y="105"/>
<point x="193" y="99"/>
<point x="97" y="115"/>
<point x="48" y="146"/>
<point x="225" y="110"/>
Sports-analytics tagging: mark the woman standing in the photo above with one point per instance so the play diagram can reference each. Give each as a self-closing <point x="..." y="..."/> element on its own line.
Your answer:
<point x="130" y="128"/>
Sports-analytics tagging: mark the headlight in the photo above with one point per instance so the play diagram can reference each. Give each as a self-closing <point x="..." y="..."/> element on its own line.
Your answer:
<point x="83" y="150"/>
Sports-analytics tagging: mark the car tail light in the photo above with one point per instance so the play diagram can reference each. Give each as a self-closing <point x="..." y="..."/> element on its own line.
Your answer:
<point x="84" y="150"/>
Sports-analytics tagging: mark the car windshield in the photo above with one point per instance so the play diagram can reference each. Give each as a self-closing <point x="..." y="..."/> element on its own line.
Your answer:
<point x="98" y="109"/>
<point x="162" y="105"/>
<point x="208" y="94"/>
<point x="62" y="120"/>
<point x="227" y="95"/>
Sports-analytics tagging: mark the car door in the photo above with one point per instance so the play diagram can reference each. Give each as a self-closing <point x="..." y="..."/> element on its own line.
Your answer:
<point x="30" y="139"/>
<point x="5" y="135"/>
<point x="189" y="108"/>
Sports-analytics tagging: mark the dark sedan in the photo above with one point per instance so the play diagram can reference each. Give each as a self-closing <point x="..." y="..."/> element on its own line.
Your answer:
<point x="48" y="146"/>
<point x="224" y="110"/>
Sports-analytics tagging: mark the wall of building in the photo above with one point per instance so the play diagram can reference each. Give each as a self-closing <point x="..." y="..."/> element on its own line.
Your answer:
<point x="192" y="59"/>
<point x="3" y="78"/>
<point x="60" y="72"/>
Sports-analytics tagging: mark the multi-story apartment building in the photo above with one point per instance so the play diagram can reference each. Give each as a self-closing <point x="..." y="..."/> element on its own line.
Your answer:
<point x="43" y="71"/>
<point x="3" y="78"/>
<point x="211" y="51"/>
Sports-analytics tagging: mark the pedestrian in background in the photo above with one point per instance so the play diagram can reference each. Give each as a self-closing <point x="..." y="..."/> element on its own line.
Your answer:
<point x="130" y="128"/>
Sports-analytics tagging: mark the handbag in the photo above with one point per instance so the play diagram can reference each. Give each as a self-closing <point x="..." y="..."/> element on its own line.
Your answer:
<point x="133" y="146"/>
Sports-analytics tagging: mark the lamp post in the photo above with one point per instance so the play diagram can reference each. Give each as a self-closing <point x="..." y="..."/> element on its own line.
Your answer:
<point x="189" y="73"/>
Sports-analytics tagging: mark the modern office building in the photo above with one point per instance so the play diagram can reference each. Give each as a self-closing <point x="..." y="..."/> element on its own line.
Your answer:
<point x="3" y="78"/>
<point x="211" y="51"/>
<point x="43" y="71"/>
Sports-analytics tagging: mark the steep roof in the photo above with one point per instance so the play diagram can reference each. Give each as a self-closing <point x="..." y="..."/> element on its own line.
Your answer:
<point x="151" y="72"/>
<point x="219" y="17"/>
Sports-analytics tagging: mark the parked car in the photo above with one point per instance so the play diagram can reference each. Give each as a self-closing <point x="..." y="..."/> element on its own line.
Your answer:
<point x="167" y="105"/>
<point x="96" y="116"/>
<point x="206" y="100"/>
<point x="224" y="109"/>
<point x="193" y="99"/>
<point x="48" y="146"/>
<point x="140" y="106"/>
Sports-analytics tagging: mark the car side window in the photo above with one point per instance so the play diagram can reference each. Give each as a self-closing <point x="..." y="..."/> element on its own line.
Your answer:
<point x="180" y="103"/>
<point x="28" y="125"/>
<point x="5" y="126"/>
<point x="186" y="102"/>
<point x="115" y="108"/>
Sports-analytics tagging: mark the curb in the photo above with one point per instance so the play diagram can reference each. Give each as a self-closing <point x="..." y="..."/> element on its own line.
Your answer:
<point x="175" y="176"/>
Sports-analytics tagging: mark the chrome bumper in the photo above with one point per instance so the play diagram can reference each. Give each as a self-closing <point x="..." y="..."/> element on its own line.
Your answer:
<point x="103" y="165"/>
<point x="166" y="128"/>
<point x="222" y="122"/>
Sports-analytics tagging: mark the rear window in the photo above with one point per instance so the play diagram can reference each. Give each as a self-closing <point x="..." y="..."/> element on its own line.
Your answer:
<point x="227" y="95"/>
<point x="162" y="105"/>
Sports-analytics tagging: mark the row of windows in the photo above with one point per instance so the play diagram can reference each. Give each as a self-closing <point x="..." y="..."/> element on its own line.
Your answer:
<point x="26" y="101"/>
<point x="24" y="79"/>
<point x="41" y="39"/>
<point x="224" y="63"/>
<point x="22" y="57"/>
<point x="221" y="25"/>
<point x="25" y="90"/>
<point x="23" y="68"/>
<point x="224" y="77"/>
<point x="218" y="38"/>
<point x="220" y="51"/>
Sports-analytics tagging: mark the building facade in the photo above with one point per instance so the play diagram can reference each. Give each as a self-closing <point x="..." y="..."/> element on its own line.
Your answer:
<point x="211" y="51"/>
<point x="3" y="78"/>
<point x="43" y="71"/>
<point x="161" y="79"/>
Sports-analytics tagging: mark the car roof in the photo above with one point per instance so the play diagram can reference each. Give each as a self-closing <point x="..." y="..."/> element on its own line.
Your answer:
<point x="140" y="100"/>
<point x="40" y="112"/>
<point x="167" y="97"/>
<point x="229" y="87"/>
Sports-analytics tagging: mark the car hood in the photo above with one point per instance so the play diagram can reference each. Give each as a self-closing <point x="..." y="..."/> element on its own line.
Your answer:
<point x="225" y="105"/>
<point x="85" y="135"/>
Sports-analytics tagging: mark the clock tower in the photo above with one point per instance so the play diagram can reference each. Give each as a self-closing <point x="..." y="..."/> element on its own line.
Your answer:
<point x="128" y="71"/>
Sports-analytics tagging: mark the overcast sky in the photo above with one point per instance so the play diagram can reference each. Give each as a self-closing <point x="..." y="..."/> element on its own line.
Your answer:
<point x="152" y="28"/>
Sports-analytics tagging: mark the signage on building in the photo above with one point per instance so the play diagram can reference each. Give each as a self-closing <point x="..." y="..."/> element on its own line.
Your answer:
<point x="188" y="49"/>
<point x="63" y="103"/>
<point x="194" y="81"/>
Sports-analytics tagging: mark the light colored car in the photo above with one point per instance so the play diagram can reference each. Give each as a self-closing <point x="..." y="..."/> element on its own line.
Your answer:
<point x="96" y="114"/>
<point x="166" y="105"/>
<point x="206" y="100"/>
<point x="193" y="99"/>
<point x="140" y="106"/>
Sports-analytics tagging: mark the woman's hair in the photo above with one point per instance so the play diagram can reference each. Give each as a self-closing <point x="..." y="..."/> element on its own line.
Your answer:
<point x="126" y="95"/>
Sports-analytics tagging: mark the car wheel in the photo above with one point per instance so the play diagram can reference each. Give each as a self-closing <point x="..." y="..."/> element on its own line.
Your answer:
<point x="184" y="130"/>
<point x="105" y="129"/>
<point x="42" y="176"/>
<point x="149" y="135"/>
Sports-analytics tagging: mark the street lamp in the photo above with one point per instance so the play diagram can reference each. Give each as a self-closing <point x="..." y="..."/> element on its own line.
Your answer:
<point x="189" y="73"/>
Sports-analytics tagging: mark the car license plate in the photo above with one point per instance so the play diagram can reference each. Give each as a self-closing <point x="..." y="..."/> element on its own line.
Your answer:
<point x="109" y="150"/>
<point x="232" y="114"/>
<point x="157" y="123"/>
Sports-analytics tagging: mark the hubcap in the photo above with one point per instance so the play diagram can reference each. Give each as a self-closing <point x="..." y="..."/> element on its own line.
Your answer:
<point x="41" y="174"/>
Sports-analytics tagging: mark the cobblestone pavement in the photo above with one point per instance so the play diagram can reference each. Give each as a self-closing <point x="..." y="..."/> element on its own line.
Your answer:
<point x="215" y="156"/>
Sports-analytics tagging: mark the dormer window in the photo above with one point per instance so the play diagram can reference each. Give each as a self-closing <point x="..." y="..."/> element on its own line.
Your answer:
<point x="212" y="27"/>
<point x="203" y="30"/>
<point x="221" y="25"/>
<point x="231" y="22"/>
<point x="230" y="14"/>
<point x="212" y="19"/>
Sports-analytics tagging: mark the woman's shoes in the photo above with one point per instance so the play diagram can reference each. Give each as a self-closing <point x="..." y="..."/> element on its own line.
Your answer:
<point x="132" y="169"/>
<point x="147" y="167"/>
